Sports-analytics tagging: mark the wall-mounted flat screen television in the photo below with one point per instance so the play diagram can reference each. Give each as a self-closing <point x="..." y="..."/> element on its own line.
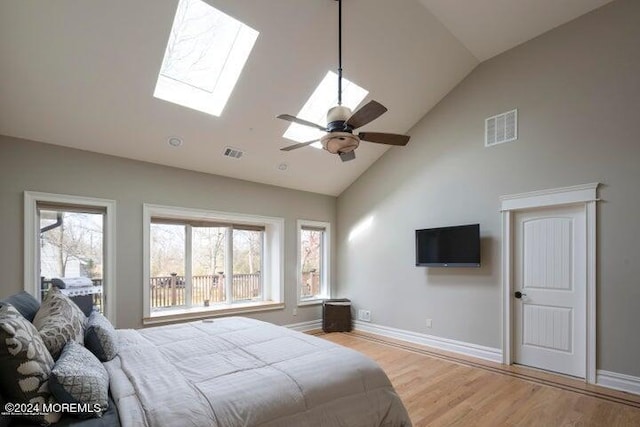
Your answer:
<point x="457" y="246"/>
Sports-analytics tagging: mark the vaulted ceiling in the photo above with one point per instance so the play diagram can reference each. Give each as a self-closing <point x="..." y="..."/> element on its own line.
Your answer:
<point x="82" y="74"/>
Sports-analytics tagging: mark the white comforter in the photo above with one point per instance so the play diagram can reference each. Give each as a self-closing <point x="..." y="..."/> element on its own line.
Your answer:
<point x="243" y="372"/>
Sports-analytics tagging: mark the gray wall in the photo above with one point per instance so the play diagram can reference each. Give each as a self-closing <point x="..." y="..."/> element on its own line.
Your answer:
<point x="32" y="166"/>
<point x="577" y="89"/>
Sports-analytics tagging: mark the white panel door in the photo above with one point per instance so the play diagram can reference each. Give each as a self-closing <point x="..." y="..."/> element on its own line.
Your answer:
<point x="550" y="289"/>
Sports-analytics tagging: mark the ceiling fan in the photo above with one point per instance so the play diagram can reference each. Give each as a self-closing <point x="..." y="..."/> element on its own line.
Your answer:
<point x="341" y="122"/>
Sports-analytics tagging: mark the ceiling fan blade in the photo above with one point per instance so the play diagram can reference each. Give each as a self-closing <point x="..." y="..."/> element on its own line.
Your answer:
<point x="299" y="145"/>
<point x="384" y="138"/>
<point x="366" y="114"/>
<point x="345" y="157"/>
<point x="303" y="122"/>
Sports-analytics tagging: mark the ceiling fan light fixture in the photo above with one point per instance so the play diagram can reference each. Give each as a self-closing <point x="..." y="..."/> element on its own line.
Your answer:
<point x="340" y="142"/>
<point x="339" y="112"/>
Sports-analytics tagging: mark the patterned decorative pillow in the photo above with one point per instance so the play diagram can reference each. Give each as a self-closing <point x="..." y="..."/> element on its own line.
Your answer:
<point x="79" y="378"/>
<point x="101" y="338"/>
<point x="59" y="321"/>
<point x="25" y="363"/>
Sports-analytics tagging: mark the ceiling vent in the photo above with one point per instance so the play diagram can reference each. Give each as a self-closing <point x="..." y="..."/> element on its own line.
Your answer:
<point x="501" y="128"/>
<point x="234" y="153"/>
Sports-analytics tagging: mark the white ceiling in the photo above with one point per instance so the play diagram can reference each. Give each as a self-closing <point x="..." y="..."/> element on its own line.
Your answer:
<point x="489" y="27"/>
<point x="82" y="73"/>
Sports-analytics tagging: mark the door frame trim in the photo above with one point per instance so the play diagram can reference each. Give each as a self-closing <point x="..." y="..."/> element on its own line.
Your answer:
<point x="585" y="195"/>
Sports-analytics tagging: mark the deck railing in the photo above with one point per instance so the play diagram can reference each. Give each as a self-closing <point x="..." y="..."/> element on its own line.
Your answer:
<point x="170" y="291"/>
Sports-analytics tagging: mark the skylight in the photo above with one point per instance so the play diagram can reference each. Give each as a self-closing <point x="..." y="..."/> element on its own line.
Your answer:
<point x="206" y="52"/>
<point x="315" y="109"/>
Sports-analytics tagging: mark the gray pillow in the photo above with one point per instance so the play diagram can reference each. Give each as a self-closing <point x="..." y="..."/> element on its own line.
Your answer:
<point x="79" y="378"/>
<point x="101" y="338"/>
<point x="25" y="303"/>
<point x="25" y="363"/>
<point x="59" y="321"/>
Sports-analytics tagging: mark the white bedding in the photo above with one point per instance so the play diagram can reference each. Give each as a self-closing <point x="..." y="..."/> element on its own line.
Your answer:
<point x="243" y="372"/>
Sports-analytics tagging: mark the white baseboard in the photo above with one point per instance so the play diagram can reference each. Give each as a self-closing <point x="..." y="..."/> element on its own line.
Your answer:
<point x="305" y="326"/>
<point x="617" y="381"/>
<point x="467" y="349"/>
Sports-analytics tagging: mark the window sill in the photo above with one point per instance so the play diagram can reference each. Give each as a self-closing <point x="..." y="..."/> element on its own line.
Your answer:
<point x="195" y="313"/>
<point x="311" y="301"/>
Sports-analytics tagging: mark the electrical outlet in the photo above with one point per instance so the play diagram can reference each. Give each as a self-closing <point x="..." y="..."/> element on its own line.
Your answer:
<point x="429" y="323"/>
<point x="364" y="315"/>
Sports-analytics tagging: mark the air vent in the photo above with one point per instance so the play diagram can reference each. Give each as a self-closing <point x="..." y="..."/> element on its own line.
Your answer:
<point x="501" y="128"/>
<point x="234" y="153"/>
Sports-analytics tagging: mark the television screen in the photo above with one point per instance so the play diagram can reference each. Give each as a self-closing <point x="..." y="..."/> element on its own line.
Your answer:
<point x="457" y="246"/>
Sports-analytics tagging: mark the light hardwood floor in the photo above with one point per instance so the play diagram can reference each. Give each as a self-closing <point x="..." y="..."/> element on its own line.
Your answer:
<point x="445" y="389"/>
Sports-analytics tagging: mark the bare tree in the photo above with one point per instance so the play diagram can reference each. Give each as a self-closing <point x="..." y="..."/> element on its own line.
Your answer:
<point x="310" y="248"/>
<point x="247" y="251"/>
<point x="79" y="237"/>
<point x="167" y="249"/>
<point x="208" y="245"/>
<point x="198" y="31"/>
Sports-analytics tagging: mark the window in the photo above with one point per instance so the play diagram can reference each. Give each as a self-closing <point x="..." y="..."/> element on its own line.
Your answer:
<point x="205" y="55"/>
<point x="70" y="237"/>
<point x="199" y="262"/>
<point x="323" y="98"/>
<point x="313" y="261"/>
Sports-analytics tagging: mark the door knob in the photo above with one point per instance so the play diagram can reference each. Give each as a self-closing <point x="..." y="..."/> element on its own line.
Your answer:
<point x="519" y="294"/>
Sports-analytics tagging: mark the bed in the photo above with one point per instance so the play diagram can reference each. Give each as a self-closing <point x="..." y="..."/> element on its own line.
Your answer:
<point x="225" y="372"/>
<point x="244" y="372"/>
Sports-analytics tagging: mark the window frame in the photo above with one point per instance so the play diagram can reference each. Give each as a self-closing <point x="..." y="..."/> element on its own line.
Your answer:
<point x="32" y="238"/>
<point x="273" y="263"/>
<point x="325" y="277"/>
